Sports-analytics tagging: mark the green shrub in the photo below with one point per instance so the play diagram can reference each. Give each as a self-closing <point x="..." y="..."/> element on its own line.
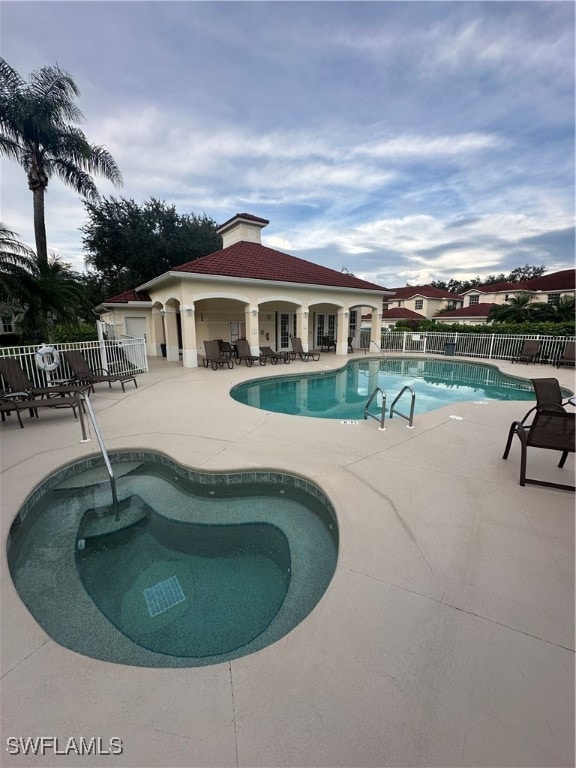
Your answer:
<point x="71" y="333"/>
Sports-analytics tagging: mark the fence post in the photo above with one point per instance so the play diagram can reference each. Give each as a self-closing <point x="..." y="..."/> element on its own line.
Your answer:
<point x="491" y="346"/>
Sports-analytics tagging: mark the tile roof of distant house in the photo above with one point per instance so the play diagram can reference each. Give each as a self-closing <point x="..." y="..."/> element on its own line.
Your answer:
<point x="128" y="296"/>
<point x="398" y="313"/>
<point x="474" y="310"/>
<point x="555" y="281"/>
<point x="565" y="280"/>
<point x="503" y="285"/>
<point x="426" y="291"/>
<point x="253" y="261"/>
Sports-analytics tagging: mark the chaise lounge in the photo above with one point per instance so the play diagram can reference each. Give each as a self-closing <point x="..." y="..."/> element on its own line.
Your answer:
<point x="18" y="381"/>
<point x="567" y="357"/>
<point x="83" y="374"/>
<point x="298" y="351"/>
<point x="214" y="357"/>
<point x="244" y="353"/>
<point x="529" y="353"/>
<point x="273" y="356"/>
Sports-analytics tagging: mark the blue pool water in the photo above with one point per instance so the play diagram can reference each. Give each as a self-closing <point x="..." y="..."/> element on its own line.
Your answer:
<point x="343" y="393"/>
<point x="198" y="569"/>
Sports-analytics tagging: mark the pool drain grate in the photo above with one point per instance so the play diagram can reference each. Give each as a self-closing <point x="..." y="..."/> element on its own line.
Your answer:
<point x="163" y="595"/>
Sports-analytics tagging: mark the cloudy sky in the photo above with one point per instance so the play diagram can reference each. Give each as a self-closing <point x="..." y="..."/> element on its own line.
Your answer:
<point x="403" y="141"/>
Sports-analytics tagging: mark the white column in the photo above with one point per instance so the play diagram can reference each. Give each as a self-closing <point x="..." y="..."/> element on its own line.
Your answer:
<point x="171" y="331"/>
<point x="302" y="326"/>
<point x="342" y="332"/>
<point x="376" y="329"/>
<point x="189" y="344"/>
<point x="252" y="330"/>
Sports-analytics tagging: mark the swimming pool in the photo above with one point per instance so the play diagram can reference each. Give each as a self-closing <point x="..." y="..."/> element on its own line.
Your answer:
<point x="343" y="393"/>
<point x="198" y="568"/>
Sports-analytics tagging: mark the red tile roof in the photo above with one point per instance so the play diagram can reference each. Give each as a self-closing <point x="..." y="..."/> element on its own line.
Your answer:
<point x="503" y="285"/>
<point x="127" y="296"/>
<point x="426" y="291"/>
<point x="474" y="310"/>
<point x="397" y="313"/>
<point x="556" y="281"/>
<point x="253" y="261"/>
<point x="246" y="217"/>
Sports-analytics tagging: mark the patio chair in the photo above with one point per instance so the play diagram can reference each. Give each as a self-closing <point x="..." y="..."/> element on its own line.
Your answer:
<point x="244" y="353"/>
<point x="567" y="357"/>
<point x="551" y="429"/>
<point x="214" y="357"/>
<point x="83" y="374"/>
<point x="273" y="356"/>
<point x="18" y="381"/>
<point x="226" y="349"/>
<point x="298" y="351"/>
<point x="529" y="353"/>
<point x="328" y="343"/>
<point x="350" y="340"/>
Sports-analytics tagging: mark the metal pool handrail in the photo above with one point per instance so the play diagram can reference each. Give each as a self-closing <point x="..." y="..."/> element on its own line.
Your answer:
<point x="382" y="413"/>
<point x="410" y="418"/>
<point x="85" y="439"/>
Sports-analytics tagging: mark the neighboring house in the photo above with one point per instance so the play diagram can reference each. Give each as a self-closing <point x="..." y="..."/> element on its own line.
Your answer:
<point x="547" y="288"/>
<point x="8" y="325"/>
<point x="474" y="314"/>
<point x="426" y="300"/>
<point x="244" y="290"/>
<point x="392" y="316"/>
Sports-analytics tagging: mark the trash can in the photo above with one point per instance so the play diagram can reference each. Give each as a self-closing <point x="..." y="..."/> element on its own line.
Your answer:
<point x="450" y="348"/>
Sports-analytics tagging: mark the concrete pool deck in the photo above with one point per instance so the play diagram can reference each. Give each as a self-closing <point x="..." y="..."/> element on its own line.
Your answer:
<point x="446" y="637"/>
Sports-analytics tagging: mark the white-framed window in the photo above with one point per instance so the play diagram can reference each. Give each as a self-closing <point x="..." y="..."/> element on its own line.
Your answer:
<point x="419" y="303"/>
<point x="553" y="298"/>
<point x="7" y="325"/>
<point x="474" y="299"/>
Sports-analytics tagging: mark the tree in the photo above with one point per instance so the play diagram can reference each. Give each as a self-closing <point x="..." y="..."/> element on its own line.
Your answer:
<point x="15" y="258"/>
<point x="49" y="292"/>
<point x="520" y="274"/>
<point x="517" y="310"/>
<point x="128" y="244"/>
<point x="561" y="312"/>
<point x="36" y="130"/>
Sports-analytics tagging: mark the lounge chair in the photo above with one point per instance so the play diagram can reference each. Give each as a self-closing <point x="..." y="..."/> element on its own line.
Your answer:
<point x="567" y="357"/>
<point x="548" y="393"/>
<point x="350" y="340"/>
<point x="298" y="351"/>
<point x="18" y="381"/>
<point x="214" y="357"/>
<point x="529" y="353"/>
<point x="244" y="353"/>
<point x="328" y="343"/>
<point x="21" y="401"/>
<point x="273" y="356"/>
<point x="83" y="374"/>
<point x="551" y="429"/>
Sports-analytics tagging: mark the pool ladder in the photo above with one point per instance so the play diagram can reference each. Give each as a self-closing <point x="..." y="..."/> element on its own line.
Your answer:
<point x="393" y="409"/>
<point x="84" y="400"/>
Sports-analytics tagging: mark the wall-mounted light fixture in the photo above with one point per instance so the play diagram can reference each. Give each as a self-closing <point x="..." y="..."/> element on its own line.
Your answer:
<point x="254" y="313"/>
<point x="305" y="314"/>
<point x="163" y="312"/>
<point x="345" y="314"/>
<point x="188" y="310"/>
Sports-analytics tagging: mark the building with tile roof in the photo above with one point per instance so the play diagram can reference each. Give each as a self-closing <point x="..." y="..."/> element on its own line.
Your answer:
<point x="244" y="290"/>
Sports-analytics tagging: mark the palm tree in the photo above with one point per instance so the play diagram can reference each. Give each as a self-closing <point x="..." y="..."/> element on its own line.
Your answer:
<point x="563" y="311"/>
<point x="517" y="310"/>
<point x="15" y="260"/>
<point x="36" y="130"/>
<point x="49" y="292"/>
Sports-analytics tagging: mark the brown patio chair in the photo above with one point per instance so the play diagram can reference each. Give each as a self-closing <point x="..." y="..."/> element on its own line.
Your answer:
<point x="83" y="374"/>
<point x="214" y="357"/>
<point x="328" y="343"/>
<point x="529" y="353"/>
<point x="551" y="429"/>
<point x="226" y="349"/>
<point x="298" y="351"/>
<point x="567" y="357"/>
<point x="18" y="381"/>
<point x="273" y="356"/>
<point x="244" y="353"/>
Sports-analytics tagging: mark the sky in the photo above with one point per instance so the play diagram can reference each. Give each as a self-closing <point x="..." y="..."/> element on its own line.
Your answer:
<point x="403" y="141"/>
